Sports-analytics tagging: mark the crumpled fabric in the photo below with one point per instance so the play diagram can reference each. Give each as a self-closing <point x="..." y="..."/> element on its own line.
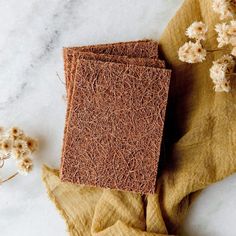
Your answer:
<point x="199" y="149"/>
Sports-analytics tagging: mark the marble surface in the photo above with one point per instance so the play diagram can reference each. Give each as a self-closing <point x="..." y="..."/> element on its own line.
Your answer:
<point x="31" y="96"/>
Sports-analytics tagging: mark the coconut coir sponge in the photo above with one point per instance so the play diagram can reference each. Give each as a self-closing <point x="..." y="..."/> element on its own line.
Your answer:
<point x="134" y="49"/>
<point x="143" y="52"/>
<point x="109" y="58"/>
<point x="115" y="125"/>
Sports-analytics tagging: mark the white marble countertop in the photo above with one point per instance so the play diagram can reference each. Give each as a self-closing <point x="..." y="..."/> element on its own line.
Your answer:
<point x="32" y="34"/>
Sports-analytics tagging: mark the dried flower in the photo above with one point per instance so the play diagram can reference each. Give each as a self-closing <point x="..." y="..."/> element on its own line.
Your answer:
<point x="192" y="52"/>
<point x="225" y="8"/>
<point x="14" y="143"/>
<point x="6" y="145"/>
<point x="25" y="166"/>
<point x="226" y="34"/>
<point x="220" y="73"/>
<point x="15" y="132"/>
<point x="32" y="144"/>
<point x="222" y="86"/>
<point x="19" y="154"/>
<point x="227" y="59"/>
<point x="223" y="36"/>
<point x="232" y="33"/>
<point x="21" y="146"/>
<point x="199" y="52"/>
<point x="197" y="30"/>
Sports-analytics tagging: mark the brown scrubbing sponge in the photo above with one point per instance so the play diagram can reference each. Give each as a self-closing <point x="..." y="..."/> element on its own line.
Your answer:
<point x="115" y="125"/>
<point x="135" y="49"/>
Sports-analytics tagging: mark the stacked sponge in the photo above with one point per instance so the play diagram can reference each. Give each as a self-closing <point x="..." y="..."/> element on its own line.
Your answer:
<point x="117" y="96"/>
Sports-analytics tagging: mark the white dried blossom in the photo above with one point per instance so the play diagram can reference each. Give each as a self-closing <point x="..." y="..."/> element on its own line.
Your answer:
<point x="184" y="52"/>
<point x="222" y="86"/>
<point x="197" y="30"/>
<point x="6" y="145"/>
<point x="15" y="132"/>
<point x="223" y="35"/>
<point x="20" y="154"/>
<point x="220" y="73"/>
<point x="20" y="146"/>
<point x="199" y="52"/>
<point x="32" y="144"/>
<point x="25" y="166"/>
<point x="15" y="144"/>
<point x="226" y="59"/>
<point x="192" y="52"/>
<point x="232" y="33"/>
<point x="225" y="8"/>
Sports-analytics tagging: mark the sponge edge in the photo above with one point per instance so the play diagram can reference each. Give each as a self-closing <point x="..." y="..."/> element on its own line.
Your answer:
<point x="115" y="125"/>
<point x="133" y="49"/>
<point x="150" y="62"/>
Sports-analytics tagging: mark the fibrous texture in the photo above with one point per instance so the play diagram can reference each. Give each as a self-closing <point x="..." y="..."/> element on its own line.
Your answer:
<point x="134" y="52"/>
<point x="133" y="49"/>
<point x="143" y="52"/>
<point x="150" y="62"/>
<point x="115" y="120"/>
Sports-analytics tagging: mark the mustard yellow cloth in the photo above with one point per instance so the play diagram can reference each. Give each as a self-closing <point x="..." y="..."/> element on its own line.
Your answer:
<point x="199" y="150"/>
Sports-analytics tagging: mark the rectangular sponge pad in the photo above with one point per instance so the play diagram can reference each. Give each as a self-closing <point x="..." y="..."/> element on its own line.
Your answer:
<point x="115" y="120"/>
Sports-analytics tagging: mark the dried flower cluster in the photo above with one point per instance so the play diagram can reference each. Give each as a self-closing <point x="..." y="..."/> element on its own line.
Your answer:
<point x="193" y="52"/>
<point x="197" y="30"/>
<point x="227" y="35"/>
<point x="225" y="8"/>
<point x="221" y="72"/>
<point x="15" y="144"/>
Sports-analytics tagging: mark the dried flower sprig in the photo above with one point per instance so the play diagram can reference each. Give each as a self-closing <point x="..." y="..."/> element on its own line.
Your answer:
<point x="14" y="143"/>
<point x="194" y="52"/>
<point x="226" y="34"/>
<point x="197" y="30"/>
<point x="221" y="72"/>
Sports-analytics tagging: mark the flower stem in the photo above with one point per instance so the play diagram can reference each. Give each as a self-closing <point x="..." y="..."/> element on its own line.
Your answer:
<point x="9" y="178"/>
<point x="217" y="50"/>
<point x="60" y="79"/>
<point x="3" y="158"/>
<point x="2" y="164"/>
